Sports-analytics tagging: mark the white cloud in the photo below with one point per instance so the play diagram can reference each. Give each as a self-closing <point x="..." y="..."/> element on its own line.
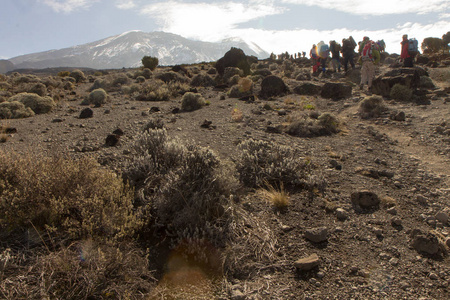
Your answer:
<point x="68" y="6"/>
<point x="125" y="4"/>
<point x="379" y="7"/>
<point x="295" y="41"/>
<point x="207" y="21"/>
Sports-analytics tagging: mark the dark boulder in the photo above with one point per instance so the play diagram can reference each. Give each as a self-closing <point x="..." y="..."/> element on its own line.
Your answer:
<point x="308" y="88"/>
<point x="409" y="77"/>
<point x="235" y="57"/>
<point x="86" y="113"/>
<point x="273" y="86"/>
<point x="334" y="90"/>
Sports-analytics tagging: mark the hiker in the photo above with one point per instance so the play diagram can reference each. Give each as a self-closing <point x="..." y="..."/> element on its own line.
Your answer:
<point x="315" y="58"/>
<point x="362" y="44"/>
<point x="348" y="51"/>
<point x="324" y="53"/>
<point x="335" y="49"/>
<point x="405" y="55"/>
<point x="370" y="56"/>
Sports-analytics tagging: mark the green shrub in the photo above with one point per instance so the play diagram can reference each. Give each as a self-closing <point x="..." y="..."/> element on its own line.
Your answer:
<point x="39" y="105"/>
<point x="97" y="97"/>
<point x="186" y="187"/>
<point x="129" y="90"/>
<point x="401" y="92"/>
<point x="36" y="88"/>
<point x="76" y="197"/>
<point x="25" y="79"/>
<point x="78" y="75"/>
<point x="14" y="110"/>
<point x="372" y="107"/>
<point x="192" y="101"/>
<point x="150" y="62"/>
<point x="260" y="163"/>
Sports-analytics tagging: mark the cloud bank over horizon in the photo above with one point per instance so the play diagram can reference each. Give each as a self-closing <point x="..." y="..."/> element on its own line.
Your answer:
<point x="275" y="25"/>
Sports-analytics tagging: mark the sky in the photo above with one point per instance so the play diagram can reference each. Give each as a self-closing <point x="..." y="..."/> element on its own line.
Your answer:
<point x="29" y="26"/>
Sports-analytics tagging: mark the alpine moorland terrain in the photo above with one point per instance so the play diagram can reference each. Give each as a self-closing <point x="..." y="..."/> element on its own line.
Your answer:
<point x="210" y="181"/>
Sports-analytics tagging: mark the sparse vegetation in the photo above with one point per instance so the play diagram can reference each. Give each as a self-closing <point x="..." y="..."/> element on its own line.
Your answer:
<point x="78" y="75"/>
<point x="97" y="97"/>
<point x="278" y="197"/>
<point x="14" y="110"/>
<point x="192" y="101"/>
<point x="401" y="92"/>
<point x="150" y="62"/>
<point x="38" y="104"/>
<point x="155" y="90"/>
<point x="312" y="124"/>
<point x="372" y="107"/>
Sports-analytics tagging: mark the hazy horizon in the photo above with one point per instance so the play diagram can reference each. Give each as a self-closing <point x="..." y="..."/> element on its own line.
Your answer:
<point x="30" y="26"/>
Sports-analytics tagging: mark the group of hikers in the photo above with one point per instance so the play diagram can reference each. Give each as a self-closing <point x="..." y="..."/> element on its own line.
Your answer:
<point x="369" y="53"/>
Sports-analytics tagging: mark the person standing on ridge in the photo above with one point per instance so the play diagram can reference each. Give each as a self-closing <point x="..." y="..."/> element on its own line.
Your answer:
<point x="404" y="55"/>
<point x="348" y="51"/>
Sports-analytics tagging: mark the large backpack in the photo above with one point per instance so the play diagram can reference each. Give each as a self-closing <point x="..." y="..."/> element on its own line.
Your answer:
<point x="413" y="46"/>
<point x="324" y="51"/>
<point x="366" y="53"/>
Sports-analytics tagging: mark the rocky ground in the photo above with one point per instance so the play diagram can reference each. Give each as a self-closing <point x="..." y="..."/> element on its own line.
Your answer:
<point x="379" y="229"/>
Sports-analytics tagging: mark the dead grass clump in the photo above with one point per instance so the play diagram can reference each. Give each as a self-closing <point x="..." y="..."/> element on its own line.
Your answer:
<point x="154" y="123"/>
<point x="14" y="110"/>
<point x="237" y="115"/>
<point x="75" y="197"/>
<point x="260" y="162"/>
<point x="177" y="88"/>
<point x="372" y="107"/>
<point x="192" y="101"/>
<point x="155" y="90"/>
<point x="401" y="92"/>
<point x="311" y="125"/>
<point x="186" y="187"/>
<point x="83" y="270"/>
<point x="39" y="105"/>
<point x="278" y="197"/>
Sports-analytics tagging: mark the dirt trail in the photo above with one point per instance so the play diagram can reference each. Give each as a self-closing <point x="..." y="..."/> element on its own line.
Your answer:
<point x="429" y="159"/>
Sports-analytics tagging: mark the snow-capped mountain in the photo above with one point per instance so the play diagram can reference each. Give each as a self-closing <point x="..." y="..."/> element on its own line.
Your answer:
<point x="127" y="49"/>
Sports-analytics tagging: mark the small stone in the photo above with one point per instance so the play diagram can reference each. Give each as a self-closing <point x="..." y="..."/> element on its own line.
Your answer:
<point x="317" y="235"/>
<point x="341" y="214"/>
<point x="307" y="263"/>
<point x="426" y="243"/>
<point x="365" y="199"/>
<point x="392" y="211"/>
<point x="421" y="199"/>
<point x="433" y="276"/>
<point x="442" y="217"/>
<point x="320" y="275"/>
<point x="394" y="261"/>
<point x="378" y="231"/>
<point x="396" y="221"/>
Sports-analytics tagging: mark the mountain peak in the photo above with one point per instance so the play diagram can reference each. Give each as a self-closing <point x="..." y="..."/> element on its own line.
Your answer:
<point x="128" y="48"/>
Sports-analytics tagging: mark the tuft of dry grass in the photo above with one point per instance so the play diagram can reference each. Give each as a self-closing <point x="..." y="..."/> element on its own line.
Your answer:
<point x="278" y="197"/>
<point x="237" y="115"/>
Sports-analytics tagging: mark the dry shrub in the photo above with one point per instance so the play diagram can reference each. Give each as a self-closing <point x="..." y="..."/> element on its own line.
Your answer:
<point x="25" y="79"/>
<point x="83" y="270"/>
<point x="35" y="88"/>
<point x="14" y="110"/>
<point x="201" y="80"/>
<point x="372" y="107"/>
<point x="154" y="123"/>
<point x="78" y="75"/>
<point x="401" y="92"/>
<point x="76" y="197"/>
<point x="100" y="84"/>
<point x="440" y="74"/>
<point x="260" y="163"/>
<point x="426" y="82"/>
<point x="39" y="105"/>
<point x="311" y="125"/>
<point x="145" y="72"/>
<point x="97" y="97"/>
<point x="192" y="101"/>
<point x="130" y="90"/>
<point x="155" y="90"/>
<point x="186" y="187"/>
<point x="64" y="74"/>
<point x="177" y="88"/>
<point x="237" y="115"/>
<point x="119" y="80"/>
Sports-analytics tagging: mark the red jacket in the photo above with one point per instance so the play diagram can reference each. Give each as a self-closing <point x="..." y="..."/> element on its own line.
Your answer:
<point x="405" y="45"/>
